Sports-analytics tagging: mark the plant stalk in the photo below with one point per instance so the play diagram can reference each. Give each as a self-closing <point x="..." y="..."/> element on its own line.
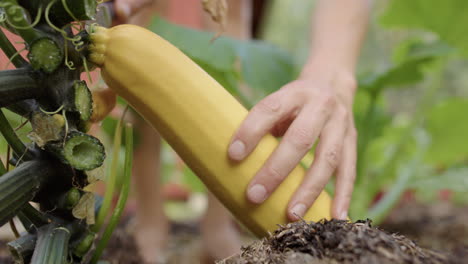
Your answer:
<point x="17" y="85"/>
<point x="52" y="245"/>
<point x="22" y="248"/>
<point x="12" y="139"/>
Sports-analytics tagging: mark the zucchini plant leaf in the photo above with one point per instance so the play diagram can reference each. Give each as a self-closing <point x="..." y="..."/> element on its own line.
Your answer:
<point x="264" y="68"/>
<point x="447" y="125"/>
<point x="445" y="18"/>
<point x="411" y="59"/>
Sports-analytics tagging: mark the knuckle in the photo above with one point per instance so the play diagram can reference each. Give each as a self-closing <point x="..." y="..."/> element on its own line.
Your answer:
<point x="271" y="104"/>
<point x="310" y="194"/>
<point x="328" y="100"/>
<point x="342" y="113"/>
<point x="332" y="157"/>
<point x="301" y="138"/>
<point x="353" y="133"/>
<point x="273" y="175"/>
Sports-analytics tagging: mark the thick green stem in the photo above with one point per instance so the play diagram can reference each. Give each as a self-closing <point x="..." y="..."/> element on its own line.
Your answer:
<point x="63" y="11"/>
<point x="2" y="168"/>
<point x="81" y="100"/>
<point x="17" y="187"/>
<point x="52" y="245"/>
<point x="17" y="85"/>
<point x="81" y="151"/>
<point x="31" y="218"/>
<point x="24" y="108"/>
<point x="22" y="248"/>
<point x="45" y="54"/>
<point x="11" y="52"/>
<point x="12" y="139"/>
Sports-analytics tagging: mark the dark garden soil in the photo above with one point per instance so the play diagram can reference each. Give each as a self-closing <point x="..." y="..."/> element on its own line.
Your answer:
<point x="336" y="242"/>
<point x="432" y="234"/>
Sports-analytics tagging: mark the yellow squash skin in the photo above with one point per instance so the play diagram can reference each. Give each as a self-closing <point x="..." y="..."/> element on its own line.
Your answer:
<point x="197" y="117"/>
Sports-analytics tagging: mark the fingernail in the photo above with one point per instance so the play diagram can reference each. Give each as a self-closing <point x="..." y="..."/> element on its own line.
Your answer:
<point x="257" y="193"/>
<point x="237" y="150"/>
<point x="299" y="210"/>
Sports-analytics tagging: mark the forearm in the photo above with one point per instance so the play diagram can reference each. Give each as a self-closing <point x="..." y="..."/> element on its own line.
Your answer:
<point x="338" y="29"/>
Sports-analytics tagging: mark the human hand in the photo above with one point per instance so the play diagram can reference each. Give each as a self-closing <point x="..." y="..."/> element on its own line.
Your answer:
<point x="316" y="106"/>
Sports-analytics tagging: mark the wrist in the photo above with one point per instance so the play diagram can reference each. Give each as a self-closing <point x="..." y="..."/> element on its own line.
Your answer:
<point x="341" y="78"/>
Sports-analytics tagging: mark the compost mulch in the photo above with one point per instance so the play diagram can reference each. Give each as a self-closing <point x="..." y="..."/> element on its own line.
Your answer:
<point x="336" y="241"/>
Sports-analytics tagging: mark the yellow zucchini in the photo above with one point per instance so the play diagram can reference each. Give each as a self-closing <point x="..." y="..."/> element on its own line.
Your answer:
<point x="197" y="117"/>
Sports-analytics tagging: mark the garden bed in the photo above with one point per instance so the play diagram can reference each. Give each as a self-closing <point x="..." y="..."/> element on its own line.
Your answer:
<point x="416" y="234"/>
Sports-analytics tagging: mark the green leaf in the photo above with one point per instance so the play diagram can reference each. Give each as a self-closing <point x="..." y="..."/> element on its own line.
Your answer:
<point x="455" y="179"/>
<point x="263" y="67"/>
<point x="412" y="58"/>
<point x="219" y="54"/>
<point x="448" y="127"/>
<point x="446" y="18"/>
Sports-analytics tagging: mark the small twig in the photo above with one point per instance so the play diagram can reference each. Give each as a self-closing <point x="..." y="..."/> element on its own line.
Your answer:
<point x="8" y="158"/>
<point x="14" y="229"/>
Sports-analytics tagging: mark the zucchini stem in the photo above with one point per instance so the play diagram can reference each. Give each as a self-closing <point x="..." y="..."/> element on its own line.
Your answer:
<point x="2" y="168"/>
<point x="52" y="245"/>
<point x="80" y="150"/>
<point x="17" y="85"/>
<point x="31" y="218"/>
<point x="12" y="139"/>
<point x="22" y="248"/>
<point x="18" y="187"/>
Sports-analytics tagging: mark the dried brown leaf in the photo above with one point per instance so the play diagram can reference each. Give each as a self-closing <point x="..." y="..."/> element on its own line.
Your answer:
<point x="85" y="208"/>
<point x="218" y="11"/>
<point x="46" y="128"/>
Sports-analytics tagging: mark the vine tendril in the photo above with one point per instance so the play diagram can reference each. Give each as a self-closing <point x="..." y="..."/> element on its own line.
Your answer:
<point x="76" y="40"/>
<point x="64" y="114"/>
<point x="85" y="65"/>
<point x="18" y="19"/>
<point x="10" y="60"/>
<point x="65" y="5"/>
<point x="51" y="112"/>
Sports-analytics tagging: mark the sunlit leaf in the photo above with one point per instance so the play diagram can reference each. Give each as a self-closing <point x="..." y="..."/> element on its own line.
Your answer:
<point x="446" y="18"/>
<point x="447" y="125"/>
<point x="411" y="60"/>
